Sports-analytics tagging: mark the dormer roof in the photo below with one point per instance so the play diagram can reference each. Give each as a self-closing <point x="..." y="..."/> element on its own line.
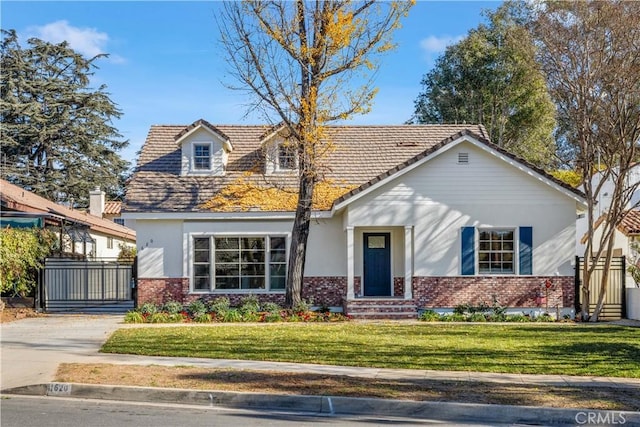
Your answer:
<point x="205" y="125"/>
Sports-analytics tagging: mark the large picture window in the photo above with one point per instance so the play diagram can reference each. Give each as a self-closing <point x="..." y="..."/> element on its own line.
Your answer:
<point x="496" y="251"/>
<point x="239" y="263"/>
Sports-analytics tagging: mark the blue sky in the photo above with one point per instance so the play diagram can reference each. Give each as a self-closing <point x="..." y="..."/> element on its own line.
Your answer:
<point x="165" y="66"/>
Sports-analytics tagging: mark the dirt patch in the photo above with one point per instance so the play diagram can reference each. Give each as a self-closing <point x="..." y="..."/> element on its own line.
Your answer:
<point x="12" y="314"/>
<point x="340" y="385"/>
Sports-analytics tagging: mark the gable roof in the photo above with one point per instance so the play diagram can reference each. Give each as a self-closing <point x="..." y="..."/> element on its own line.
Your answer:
<point x="203" y="124"/>
<point x="360" y="153"/>
<point x="361" y="157"/>
<point x="472" y="137"/>
<point x="18" y="199"/>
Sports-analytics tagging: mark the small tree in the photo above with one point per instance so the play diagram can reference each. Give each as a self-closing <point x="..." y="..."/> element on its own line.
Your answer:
<point x="297" y="59"/>
<point x="22" y="252"/>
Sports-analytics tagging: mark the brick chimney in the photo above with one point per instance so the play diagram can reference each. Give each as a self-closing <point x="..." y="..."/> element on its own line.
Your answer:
<point x="96" y="202"/>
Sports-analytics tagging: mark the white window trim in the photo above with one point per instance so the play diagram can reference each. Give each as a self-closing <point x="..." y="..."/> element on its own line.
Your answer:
<point x="196" y="144"/>
<point x="280" y="169"/>
<point x="516" y="250"/>
<point x="212" y="237"/>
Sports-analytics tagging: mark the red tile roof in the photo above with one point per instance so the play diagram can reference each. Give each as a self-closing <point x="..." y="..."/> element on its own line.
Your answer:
<point x="630" y="224"/>
<point x="112" y="208"/>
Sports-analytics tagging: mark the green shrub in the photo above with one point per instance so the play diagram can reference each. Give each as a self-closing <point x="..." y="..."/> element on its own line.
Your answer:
<point x="454" y="317"/>
<point x="175" y="318"/>
<point x="271" y="307"/>
<point x="545" y="318"/>
<point x="202" y="318"/>
<point x="429" y="316"/>
<point x="232" y="315"/>
<point x="172" y="307"/>
<point x="249" y="305"/>
<point x="303" y="306"/>
<point x="272" y="316"/>
<point x="196" y="307"/>
<point x="133" y="317"/>
<point x="148" y="308"/>
<point x="219" y="305"/>
<point x="158" y="318"/>
<point x="476" y="317"/>
<point x="520" y="318"/>
<point x="251" y="316"/>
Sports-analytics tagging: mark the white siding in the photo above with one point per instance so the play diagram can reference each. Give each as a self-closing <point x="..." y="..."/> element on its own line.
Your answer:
<point x="218" y="155"/>
<point x="159" y="248"/>
<point x="441" y="196"/>
<point x="102" y="249"/>
<point x="327" y="249"/>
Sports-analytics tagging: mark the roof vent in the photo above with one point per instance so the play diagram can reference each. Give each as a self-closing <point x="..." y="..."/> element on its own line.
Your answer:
<point x="463" y="158"/>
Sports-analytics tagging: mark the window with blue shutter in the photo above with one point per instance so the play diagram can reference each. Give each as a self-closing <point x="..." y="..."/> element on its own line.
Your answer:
<point x="526" y="251"/>
<point x="468" y="266"/>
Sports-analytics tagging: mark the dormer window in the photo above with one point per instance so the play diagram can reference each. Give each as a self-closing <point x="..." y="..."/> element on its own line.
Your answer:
<point x="204" y="149"/>
<point x="286" y="157"/>
<point x="202" y="156"/>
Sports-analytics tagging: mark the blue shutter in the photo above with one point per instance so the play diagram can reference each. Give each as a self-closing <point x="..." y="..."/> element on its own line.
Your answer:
<point x="468" y="251"/>
<point x="526" y="252"/>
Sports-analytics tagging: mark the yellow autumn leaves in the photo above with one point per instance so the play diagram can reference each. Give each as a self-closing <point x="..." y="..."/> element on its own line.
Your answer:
<point x="246" y="196"/>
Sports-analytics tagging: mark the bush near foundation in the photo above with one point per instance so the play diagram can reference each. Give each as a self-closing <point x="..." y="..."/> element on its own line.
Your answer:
<point x="220" y="310"/>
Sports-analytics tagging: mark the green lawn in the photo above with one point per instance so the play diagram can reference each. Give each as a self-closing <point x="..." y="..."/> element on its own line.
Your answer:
<point x="599" y="350"/>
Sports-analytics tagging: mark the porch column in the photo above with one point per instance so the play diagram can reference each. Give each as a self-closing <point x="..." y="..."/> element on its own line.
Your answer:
<point x="408" y="261"/>
<point x="350" y="266"/>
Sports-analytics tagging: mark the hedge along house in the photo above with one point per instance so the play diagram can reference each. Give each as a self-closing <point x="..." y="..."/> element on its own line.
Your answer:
<point x="406" y="218"/>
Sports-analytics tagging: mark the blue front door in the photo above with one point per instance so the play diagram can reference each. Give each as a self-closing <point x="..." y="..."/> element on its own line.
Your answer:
<point x="377" y="264"/>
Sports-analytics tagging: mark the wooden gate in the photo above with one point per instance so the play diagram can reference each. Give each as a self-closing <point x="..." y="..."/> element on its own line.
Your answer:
<point x="614" y="307"/>
<point x="95" y="286"/>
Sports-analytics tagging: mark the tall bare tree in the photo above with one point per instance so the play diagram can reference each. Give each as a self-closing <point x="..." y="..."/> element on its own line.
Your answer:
<point x="590" y="51"/>
<point x="299" y="60"/>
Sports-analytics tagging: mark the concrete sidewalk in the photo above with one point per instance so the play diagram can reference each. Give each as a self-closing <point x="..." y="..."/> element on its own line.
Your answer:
<point x="33" y="348"/>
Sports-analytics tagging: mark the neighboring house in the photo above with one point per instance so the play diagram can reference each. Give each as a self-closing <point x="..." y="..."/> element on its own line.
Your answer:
<point x="626" y="237"/>
<point x="110" y="210"/>
<point x="407" y="218"/>
<point x="604" y="202"/>
<point x="81" y="234"/>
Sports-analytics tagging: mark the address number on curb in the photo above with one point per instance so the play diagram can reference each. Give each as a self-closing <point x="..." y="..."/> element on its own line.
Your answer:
<point x="59" y="388"/>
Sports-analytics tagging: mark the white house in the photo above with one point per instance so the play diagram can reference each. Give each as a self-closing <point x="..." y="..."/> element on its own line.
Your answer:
<point x="418" y="216"/>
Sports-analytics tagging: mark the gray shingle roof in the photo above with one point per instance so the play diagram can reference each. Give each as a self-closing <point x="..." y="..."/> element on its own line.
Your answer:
<point x="361" y="154"/>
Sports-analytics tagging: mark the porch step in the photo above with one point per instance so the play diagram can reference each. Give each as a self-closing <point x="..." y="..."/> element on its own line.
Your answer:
<point x="377" y="308"/>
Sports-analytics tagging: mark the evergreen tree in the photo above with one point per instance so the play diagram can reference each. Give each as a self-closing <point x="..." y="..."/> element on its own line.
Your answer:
<point x="57" y="137"/>
<point x="491" y="77"/>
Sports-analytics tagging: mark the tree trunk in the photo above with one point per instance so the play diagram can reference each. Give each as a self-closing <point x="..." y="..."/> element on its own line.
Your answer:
<point x="298" y="248"/>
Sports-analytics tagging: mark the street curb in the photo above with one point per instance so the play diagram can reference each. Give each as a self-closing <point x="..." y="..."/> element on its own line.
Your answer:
<point x="332" y="405"/>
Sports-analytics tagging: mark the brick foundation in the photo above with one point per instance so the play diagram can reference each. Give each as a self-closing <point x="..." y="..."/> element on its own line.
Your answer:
<point x="328" y="291"/>
<point x="428" y="292"/>
<point x="514" y="291"/>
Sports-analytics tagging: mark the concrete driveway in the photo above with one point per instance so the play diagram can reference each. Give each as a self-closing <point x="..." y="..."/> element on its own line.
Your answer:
<point x="31" y="349"/>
